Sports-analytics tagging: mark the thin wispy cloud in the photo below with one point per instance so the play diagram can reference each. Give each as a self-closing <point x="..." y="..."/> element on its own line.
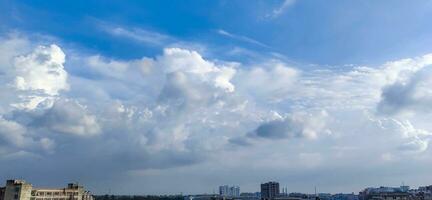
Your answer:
<point x="282" y="8"/>
<point x="138" y="34"/>
<point x="241" y="38"/>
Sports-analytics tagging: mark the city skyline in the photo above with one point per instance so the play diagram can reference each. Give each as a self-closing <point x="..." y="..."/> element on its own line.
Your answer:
<point x="170" y="97"/>
<point x="268" y="190"/>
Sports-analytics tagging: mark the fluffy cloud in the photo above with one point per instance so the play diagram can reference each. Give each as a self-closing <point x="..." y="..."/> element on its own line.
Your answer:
<point x="32" y="77"/>
<point x="42" y="70"/>
<point x="181" y="109"/>
<point x="14" y="138"/>
<point x="12" y="133"/>
<point x="408" y="94"/>
<point x="68" y="117"/>
<point x="190" y="62"/>
<point x="292" y="126"/>
<point x="271" y="81"/>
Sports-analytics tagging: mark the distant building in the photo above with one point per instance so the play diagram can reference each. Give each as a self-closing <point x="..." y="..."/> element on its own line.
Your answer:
<point x="20" y="190"/>
<point x="425" y="188"/>
<point x="203" y="197"/>
<point x="341" y="196"/>
<point x="422" y="193"/>
<point x="229" y="191"/>
<point x="269" y="190"/>
<point x="385" y="193"/>
<point x="324" y="196"/>
<point x="299" y="195"/>
<point x="250" y="196"/>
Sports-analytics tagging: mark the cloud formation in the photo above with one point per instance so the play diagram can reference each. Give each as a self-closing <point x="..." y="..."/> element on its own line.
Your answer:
<point x="282" y="8"/>
<point x="240" y="38"/>
<point x="293" y="126"/>
<point x="410" y="92"/>
<point x="42" y="70"/>
<point x="68" y="117"/>
<point x="182" y="110"/>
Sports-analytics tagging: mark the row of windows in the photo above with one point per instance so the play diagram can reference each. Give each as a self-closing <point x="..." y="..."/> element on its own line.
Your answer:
<point x="33" y="198"/>
<point x="54" y="193"/>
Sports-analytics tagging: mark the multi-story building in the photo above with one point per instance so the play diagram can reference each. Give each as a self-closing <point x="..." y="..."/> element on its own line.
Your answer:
<point x="229" y="191"/>
<point x="385" y="193"/>
<point x="20" y="190"/>
<point x="341" y="196"/>
<point x="269" y="190"/>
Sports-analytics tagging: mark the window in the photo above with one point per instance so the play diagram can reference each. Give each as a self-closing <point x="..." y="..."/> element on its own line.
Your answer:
<point x="16" y="196"/>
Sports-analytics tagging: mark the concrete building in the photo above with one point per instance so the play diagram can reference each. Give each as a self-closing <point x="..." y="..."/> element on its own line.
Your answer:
<point x="204" y="197"/>
<point x="385" y="193"/>
<point x="229" y="191"/>
<point x="269" y="190"/>
<point x="341" y="196"/>
<point x="249" y="196"/>
<point x="20" y="190"/>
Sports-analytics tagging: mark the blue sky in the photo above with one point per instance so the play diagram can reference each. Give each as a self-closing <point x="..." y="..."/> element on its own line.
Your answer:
<point x="321" y="32"/>
<point x="162" y="97"/>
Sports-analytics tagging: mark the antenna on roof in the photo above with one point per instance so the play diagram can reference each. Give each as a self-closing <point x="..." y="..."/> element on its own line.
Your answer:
<point x="315" y="193"/>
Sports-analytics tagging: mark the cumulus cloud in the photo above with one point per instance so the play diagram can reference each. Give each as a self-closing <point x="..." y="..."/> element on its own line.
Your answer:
<point x="190" y="62"/>
<point x="297" y="125"/>
<point x="69" y="117"/>
<point x="42" y="70"/>
<point x="12" y="133"/>
<point x="180" y="108"/>
<point x="408" y="94"/>
<point x="15" y="138"/>
<point x="271" y="81"/>
<point x="37" y="76"/>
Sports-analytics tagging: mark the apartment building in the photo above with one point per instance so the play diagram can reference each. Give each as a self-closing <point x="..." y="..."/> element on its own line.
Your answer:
<point x="21" y="190"/>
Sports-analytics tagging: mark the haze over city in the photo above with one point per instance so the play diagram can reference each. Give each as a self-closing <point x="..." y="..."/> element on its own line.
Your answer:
<point x="182" y="97"/>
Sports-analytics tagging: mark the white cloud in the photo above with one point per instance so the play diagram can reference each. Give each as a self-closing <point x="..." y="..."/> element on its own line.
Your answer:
<point x="137" y="34"/>
<point x="180" y="60"/>
<point x="282" y="8"/>
<point x="38" y="77"/>
<point x="416" y="146"/>
<point x="410" y="91"/>
<point x="15" y="138"/>
<point x="271" y="81"/>
<point x="12" y="133"/>
<point x="240" y="38"/>
<point x="181" y="108"/>
<point x="69" y="117"/>
<point x="296" y="125"/>
<point x="42" y="70"/>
